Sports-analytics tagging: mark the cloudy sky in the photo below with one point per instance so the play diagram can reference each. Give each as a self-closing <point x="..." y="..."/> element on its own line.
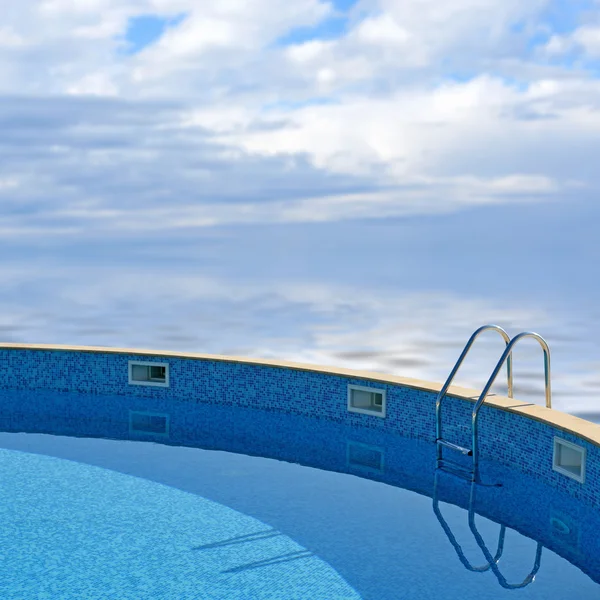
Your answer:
<point x="356" y="183"/>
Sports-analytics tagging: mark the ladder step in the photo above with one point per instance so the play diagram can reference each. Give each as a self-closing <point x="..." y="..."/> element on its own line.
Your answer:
<point x="456" y="447"/>
<point x="444" y="462"/>
<point x="453" y="468"/>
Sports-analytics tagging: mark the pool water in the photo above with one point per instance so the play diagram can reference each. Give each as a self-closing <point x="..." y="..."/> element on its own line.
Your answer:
<point x="88" y="517"/>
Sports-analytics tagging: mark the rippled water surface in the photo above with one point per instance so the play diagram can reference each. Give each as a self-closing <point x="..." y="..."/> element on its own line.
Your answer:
<point x="400" y="296"/>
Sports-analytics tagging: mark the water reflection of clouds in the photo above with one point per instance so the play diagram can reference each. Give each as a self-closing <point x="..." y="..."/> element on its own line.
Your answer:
<point x="418" y="334"/>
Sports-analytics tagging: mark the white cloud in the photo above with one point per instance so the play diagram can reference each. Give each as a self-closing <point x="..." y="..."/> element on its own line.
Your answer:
<point x="454" y="130"/>
<point x="97" y="161"/>
<point x="584" y="39"/>
<point x="10" y="39"/>
<point x="558" y="44"/>
<point x="221" y="44"/>
<point x="224" y="32"/>
<point x="95" y="84"/>
<point x="309" y="51"/>
<point x="375" y="107"/>
<point x="588" y="38"/>
<point x="382" y="30"/>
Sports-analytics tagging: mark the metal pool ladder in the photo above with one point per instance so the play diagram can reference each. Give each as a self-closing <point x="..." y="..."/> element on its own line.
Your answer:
<point x="456" y="468"/>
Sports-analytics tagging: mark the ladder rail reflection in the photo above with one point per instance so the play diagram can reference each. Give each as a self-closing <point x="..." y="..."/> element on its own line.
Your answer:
<point x="492" y="561"/>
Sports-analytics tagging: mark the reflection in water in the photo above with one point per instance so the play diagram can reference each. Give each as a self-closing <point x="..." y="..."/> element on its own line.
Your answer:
<point x="492" y="561"/>
<point x="364" y="457"/>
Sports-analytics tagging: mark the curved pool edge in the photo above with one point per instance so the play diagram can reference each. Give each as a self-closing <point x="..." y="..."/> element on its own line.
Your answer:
<point x="581" y="428"/>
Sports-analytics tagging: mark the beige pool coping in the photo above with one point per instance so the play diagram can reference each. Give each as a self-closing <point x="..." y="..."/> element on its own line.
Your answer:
<point x="580" y="427"/>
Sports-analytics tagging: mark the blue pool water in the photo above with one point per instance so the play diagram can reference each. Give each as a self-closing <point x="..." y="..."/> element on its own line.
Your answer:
<point x="91" y="517"/>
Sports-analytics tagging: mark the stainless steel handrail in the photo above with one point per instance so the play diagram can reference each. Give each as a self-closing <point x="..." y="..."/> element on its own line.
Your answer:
<point x="461" y="358"/>
<point x="506" y="356"/>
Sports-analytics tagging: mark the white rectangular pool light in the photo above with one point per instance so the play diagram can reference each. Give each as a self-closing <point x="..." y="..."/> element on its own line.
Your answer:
<point x="368" y="401"/>
<point x="569" y="459"/>
<point x="148" y="373"/>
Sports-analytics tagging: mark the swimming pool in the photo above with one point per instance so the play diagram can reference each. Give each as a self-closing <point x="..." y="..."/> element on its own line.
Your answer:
<point x="240" y="499"/>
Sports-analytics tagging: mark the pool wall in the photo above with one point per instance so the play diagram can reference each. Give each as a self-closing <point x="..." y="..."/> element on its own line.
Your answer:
<point x="513" y="433"/>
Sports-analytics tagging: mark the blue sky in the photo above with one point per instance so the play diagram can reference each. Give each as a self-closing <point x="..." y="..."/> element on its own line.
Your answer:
<point x="332" y="27"/>
<point x="145" y="30"/>
<point x="358" y="183"/>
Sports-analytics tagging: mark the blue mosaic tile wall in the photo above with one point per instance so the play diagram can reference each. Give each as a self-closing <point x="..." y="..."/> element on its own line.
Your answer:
<point x="509" y="439"/>
<point x="405" y="462"/>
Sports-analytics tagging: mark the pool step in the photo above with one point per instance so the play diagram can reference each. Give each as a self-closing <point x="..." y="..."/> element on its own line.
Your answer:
<point x="455" y="447"/>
